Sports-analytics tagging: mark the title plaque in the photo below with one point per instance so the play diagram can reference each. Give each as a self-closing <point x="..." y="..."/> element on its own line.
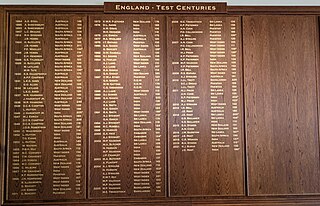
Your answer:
<point x="151" y="7"/>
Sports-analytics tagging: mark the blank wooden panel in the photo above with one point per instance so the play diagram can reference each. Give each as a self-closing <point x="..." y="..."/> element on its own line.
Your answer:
<point x="280" y="74"/>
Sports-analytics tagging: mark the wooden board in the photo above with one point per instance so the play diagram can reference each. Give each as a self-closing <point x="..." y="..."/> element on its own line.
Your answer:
<point x="205" y="106"/>
<point x="280" y="70"/>
<point x="47" y="107"/>
<point x="147" y="109"/>
<point x="127" y="106"/>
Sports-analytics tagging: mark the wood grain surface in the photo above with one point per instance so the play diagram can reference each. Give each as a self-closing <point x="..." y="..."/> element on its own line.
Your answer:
<point x="280" y="72"/>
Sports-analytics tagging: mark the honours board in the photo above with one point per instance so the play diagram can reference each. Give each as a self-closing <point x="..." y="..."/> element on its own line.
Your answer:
<point x="161" y="104"/>
<point x="125" y="86"/>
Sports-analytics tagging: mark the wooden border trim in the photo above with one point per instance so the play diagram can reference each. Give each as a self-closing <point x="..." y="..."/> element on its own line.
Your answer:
<point x="55" y="8"/>
<point x="232" y="10"/>
<point x="274" y="10"/>
<point x="317" y="57"/>
<point x="2" y="101"/>
<point x="246" y="201"/>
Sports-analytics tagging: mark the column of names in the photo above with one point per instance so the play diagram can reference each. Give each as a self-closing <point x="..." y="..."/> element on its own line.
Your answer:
<point x="204" y="104"/>
<point x="185" y="79"/>
<point x="28" y="122"/>
<point x="127" y="107"/>
<point x="47" y="121"/>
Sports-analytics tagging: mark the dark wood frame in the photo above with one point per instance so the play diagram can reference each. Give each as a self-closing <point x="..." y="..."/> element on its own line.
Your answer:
<point x="3" y="88"/>
<point x="5" y="12"/>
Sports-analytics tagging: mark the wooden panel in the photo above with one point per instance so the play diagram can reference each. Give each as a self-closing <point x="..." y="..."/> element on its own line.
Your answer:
<point x="205" y="106"/>
<point x="127" y="106"/>
<point x="47" y="107"/>
<point x="281" y="104"/>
